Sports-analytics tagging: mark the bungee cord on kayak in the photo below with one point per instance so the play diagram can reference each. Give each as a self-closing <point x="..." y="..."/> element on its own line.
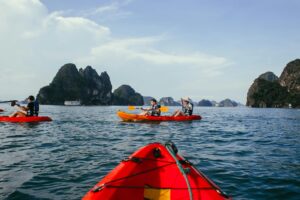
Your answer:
<point x="136" y="178"/>
<point x="173" y="151"/>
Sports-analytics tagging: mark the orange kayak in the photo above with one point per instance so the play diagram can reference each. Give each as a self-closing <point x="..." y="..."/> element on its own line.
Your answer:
<point x="24" y="119"/>
<point x="155" y="172"/>
<point x="135" y="118"/>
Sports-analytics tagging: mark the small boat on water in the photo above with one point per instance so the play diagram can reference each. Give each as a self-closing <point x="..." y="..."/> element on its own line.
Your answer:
<point x="1" y="110"/>
<point x="24" y="119"/>
<point x="157" y="172"/>
<point x="137" y="118"/>
<point x="72" y="103"/>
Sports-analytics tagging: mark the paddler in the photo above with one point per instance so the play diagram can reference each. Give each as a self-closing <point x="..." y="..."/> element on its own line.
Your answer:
<point x="30" y="110"/>
<point x="154" y="110"/>
<point x="187" y="108"/>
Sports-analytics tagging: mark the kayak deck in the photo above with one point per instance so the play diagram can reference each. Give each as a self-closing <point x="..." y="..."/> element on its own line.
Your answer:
<point x="152" y="173"/>
<point x="135" y="118"/>
<point x="25" y="119"/>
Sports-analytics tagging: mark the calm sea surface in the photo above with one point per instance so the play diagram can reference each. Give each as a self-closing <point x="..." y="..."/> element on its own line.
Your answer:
<point x="249" y="153"/>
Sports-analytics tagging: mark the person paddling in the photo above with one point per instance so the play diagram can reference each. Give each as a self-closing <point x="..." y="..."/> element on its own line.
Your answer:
<point x="154" y="110"/>
<point x="187" y="108"/>
<point x="30" y="110"/>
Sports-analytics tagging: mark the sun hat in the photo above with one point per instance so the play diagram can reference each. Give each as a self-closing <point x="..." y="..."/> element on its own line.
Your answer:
<point x="186" y="99"/>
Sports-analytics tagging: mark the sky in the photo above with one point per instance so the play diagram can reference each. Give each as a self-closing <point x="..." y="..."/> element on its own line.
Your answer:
<point x="204" y="49"/>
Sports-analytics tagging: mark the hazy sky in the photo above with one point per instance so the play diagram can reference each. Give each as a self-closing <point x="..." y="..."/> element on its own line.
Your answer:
<point x="210" y="49"/>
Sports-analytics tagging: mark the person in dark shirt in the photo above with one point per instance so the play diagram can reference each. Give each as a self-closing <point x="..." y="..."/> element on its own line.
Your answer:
<point x="23" y="111"/>
<point x="154" y="110"/>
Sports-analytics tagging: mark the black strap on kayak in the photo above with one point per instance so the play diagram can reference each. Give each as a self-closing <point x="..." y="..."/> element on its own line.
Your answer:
<point x="140" y="160"/>
<point x="170" y="147"/>
<point x="98" y="188"/>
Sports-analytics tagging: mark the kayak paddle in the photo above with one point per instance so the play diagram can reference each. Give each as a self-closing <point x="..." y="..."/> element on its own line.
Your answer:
<point x="8" y="101"/>
<point x="162" y="108"/>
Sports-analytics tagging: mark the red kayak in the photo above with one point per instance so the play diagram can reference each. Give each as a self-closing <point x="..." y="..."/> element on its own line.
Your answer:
<point x="25" y="119"/>
<point x="155" y="172"/>
<point x="137" y="118"/>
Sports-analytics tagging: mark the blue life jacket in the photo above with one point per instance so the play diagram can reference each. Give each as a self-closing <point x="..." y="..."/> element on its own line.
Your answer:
<point x="36" y="108"/>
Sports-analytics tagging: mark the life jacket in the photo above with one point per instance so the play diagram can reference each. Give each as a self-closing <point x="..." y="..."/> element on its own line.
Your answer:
<point x="188" y="109"/>
<point x="30" y="111"/>
<point x="33" y="108"/>
<point x="155" y="110"/>
<point x="36" y="108"/>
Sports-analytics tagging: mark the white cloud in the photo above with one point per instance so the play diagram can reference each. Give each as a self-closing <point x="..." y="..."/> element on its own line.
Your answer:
<point x="34" y="43"/>
<point x="110" y="11"/>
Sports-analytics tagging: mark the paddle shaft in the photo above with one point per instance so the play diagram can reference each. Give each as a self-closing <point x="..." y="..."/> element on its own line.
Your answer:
<point x="162" y="108"/>
<point x="8" y="101"/>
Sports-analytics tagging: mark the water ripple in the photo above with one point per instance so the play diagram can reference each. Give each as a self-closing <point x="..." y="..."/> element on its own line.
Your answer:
<point x="249" y="153"/>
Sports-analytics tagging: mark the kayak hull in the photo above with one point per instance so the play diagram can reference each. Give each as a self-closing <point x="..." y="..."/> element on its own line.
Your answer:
<point x="152" y="173"/>
<point x="136" y="118"/>
<point x="24" y="119"/>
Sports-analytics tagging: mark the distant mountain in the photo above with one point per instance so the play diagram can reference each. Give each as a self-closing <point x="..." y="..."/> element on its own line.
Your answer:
<point x="270" y="91"/>
<point x="269" y="76"/>
<point x="84" y="85"/>
<point x="206" y="103"/>
<point x="224" y="103"/>
<point x="147" y="100"/>
<point x="214" y="103"/>
<point x="228" y="103"/>
<point x="168" y="101"/>
<point x="126" y="95"/>
<point x="87" y="87"/>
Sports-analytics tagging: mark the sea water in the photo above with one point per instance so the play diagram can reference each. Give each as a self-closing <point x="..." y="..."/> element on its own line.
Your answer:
<point x="249" y="153"/>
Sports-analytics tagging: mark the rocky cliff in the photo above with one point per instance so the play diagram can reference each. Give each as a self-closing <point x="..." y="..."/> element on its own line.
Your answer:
<point x="205" y="103"/>
<point x="270" y="91"/>
<point x="168" y="101"/>
<point x="228" y="103"/>
<point x="126" y="95"/>
<point x="290" y="77"/>
<point x="84" y="85"/>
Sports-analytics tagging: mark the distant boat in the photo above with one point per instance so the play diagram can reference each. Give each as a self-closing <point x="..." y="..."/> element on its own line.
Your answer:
<point x="72" y="103"/>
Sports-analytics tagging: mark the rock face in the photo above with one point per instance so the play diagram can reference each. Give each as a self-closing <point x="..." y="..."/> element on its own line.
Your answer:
<point x="228" y="103"/>
<point x="205" y="103"/>
<point x="270" y="91"/>
<point x="126" y="95"/>
<point x="269" y="76"/>
<point x="168" y="101"/>
<point x="290" y="77"/>
<point x="84" y="85"/>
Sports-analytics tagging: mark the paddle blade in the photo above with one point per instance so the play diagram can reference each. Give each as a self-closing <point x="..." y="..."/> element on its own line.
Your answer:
<point x="164" y="109"/>
<point x="131" y="107"/>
